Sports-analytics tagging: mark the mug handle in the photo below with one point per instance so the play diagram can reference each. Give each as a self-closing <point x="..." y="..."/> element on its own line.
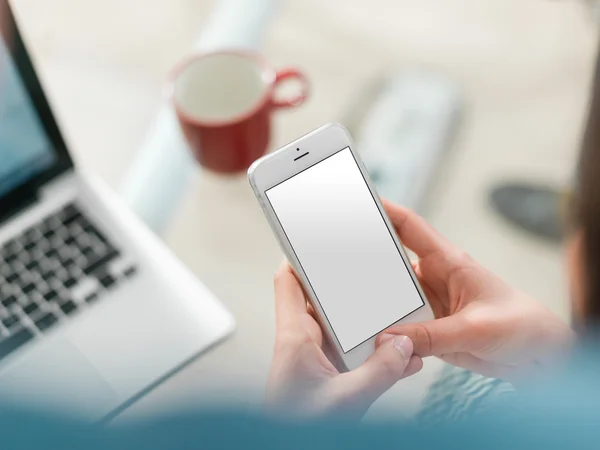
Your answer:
<point x="296" y="100"/>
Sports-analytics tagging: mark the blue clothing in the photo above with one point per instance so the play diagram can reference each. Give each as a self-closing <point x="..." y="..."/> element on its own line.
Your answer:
<point x="212" y="430"/>
<point x="458" y="393"/>
<point x="562" y="412"/>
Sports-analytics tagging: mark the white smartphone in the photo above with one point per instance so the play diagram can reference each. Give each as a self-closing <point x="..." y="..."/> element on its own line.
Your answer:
<point x="331" y="225"/>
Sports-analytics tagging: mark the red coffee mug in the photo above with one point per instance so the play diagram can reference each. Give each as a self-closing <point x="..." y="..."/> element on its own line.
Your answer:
<point x="224" y="102"/>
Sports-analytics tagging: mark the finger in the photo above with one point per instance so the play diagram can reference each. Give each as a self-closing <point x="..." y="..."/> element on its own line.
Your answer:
<point x="415" y="232"/>
<point x="290" y="303"/>
<point x="414" y="366"/>
<point x="310" y="310"/>
<point x="415" y="266"/>
<point x="311" y="325"/>
<point x="434" y="337"/>
<point x="434" y="300"/>
<point x="380" y="372"/>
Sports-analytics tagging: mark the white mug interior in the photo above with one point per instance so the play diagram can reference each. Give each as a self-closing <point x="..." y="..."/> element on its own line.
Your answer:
<point x="220" y="87"/>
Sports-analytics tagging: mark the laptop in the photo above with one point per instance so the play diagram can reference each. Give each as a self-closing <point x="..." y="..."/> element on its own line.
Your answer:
<point x="94" y="309"/>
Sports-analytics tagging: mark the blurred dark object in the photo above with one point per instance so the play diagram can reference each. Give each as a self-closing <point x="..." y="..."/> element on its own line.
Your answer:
<point x="537" y="209"/>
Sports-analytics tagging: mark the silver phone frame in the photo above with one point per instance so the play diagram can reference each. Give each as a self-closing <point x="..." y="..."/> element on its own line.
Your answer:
<point x="284" y="163"/>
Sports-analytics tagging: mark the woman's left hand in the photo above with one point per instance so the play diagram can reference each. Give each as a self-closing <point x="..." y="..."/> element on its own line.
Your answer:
<point x="305" y="381"/>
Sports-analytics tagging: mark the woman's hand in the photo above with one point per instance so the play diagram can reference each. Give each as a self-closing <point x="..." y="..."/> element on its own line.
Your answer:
<point x="304" y="380"/>
<point x="482" y="324"/>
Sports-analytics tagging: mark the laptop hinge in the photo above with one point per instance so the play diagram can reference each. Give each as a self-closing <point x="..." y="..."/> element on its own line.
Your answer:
<point x="55" y="188"/>
<point x="23" y="203"/>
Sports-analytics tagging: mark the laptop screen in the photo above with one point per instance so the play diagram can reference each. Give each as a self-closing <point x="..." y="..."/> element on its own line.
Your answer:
<point x="25" y="148"/>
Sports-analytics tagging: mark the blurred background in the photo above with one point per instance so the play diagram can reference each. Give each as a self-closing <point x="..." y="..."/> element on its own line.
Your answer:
<point x="522" y="68"/>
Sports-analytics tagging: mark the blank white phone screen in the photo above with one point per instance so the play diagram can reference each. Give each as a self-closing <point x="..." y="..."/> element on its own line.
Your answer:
<point x="345" y="248"/>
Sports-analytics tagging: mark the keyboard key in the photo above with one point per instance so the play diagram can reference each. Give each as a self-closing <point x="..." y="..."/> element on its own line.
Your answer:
<point x="75" y="228"/>
<point x="91" y="298"/>
<point x="20" y="240"/>
<point x="101" y="262"/>
<point x="99" y="247"/>
<point x="107" y="281"/>
<point x="27" y="289"/>
<point x="12" y="277"/>
<point x="90" y="229"/>
<point x="65" y="253"/>
<point x="63" y="233"/>
<point x="69" y="307"/>
<point x="11" y="343"/>
<point x="54" y="222"/>
<point x="70" y="282"/>
<point x="46" y="321"/>
<point x="81" y="261"/>
<point x="62" y="274"/>
<point x="130" y="271"/>
<point x="76" y="272"/>
<point x="52" y="253"/>
<point x="71" y="219"/>
<point x="10" y="321"/>
<point x="48" y="275"/>
<point x="6" y="290"/>
<point x="51" y="222"/>
<point x="24" y="258"/>
<point x="55" y="284"/>
<point x="88" y="252"/>
<point x="48" y="234"/>
<point x="10" y="247"/>
<point x="69" y="210"/>
<point x="35" y="276"/>
<point x="26" y="278"/>
<point x="32" y="265"/>
<point x="9" y="301"/>
<point x="72" y="216"/>
<point x="84" y="238"/>
<point x="50" y="295"/>
<point x="42" y="287"/>
<point x="32" y="234"/>
<point x="56" y="242"/>
<point x="31" y="308"/>
<point x="29" y="246"/>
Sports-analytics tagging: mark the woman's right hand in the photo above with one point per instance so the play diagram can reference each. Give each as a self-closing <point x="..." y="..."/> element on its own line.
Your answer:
<point x="481" y="323"/>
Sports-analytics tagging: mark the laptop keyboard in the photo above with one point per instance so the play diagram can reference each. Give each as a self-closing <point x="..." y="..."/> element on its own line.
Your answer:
<point x="51" y="271"/>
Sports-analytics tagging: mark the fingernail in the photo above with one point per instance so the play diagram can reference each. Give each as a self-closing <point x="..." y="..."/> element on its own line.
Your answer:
<point x="385" y="337"/>
<point x="405" y="346"/>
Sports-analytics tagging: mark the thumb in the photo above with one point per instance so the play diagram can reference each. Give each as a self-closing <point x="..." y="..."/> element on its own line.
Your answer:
<point x="380" y="372"/>
<point x="436" y="337"/>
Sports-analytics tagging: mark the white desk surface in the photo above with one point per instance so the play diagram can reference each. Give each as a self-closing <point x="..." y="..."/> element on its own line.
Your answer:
<point x="524" y="66"/>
